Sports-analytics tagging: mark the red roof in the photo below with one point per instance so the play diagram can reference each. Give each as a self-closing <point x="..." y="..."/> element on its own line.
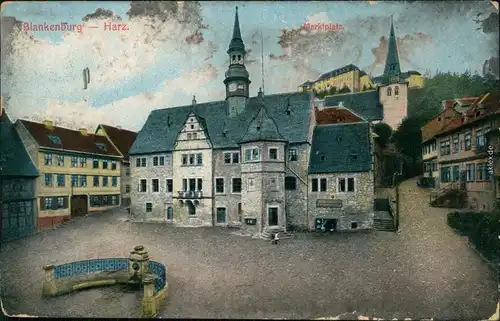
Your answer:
<point x="332" y="115"/>
<point x="450" y="103"/>
<point x="66" y="139"/>
<point x="442" y="120"/>
<point x="121" y="138"/>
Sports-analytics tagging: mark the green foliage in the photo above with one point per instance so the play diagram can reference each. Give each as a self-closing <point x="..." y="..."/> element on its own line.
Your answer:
<point x="332" y="90"/>
<point x="344" y="90"/>
<point x="364" y="88"/>
<point x="384" y="132"/>
<point x="481" y="228"/>
<point x="426" y="102"/>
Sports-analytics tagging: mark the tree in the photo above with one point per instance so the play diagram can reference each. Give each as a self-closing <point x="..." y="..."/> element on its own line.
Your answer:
<point x="408" y="139"/>
<point x="332" y="91"/>
<point x="384" y="133"/>
<point x="344" y="90"/>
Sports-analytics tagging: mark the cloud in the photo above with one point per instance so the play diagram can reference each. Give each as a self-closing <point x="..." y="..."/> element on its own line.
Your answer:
<point x="101" y="13"/>
<point x="172" y="93"/>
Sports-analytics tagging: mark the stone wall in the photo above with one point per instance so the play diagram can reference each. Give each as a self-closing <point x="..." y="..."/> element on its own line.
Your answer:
<point x="228" y="200"/>
<point x="124" y="181"/>
<point x="357" y="207"/>
<point x="296" y="200"/>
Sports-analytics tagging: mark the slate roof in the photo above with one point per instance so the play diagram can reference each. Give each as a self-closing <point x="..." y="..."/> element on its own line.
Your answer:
<point x="121" y="138"/>
<point x="262" y="127"/>
<point x="345" y="148"/>
<point x="338" y="71"/>
<point x="326" y="116"/>
<point x="70" y="140"/>
<point x="14" y="159"/>
<point x="162" y="126"/>
<point x="365" y="104"/>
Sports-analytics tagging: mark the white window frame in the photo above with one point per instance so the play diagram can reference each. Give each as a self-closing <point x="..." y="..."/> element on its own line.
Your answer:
<point x="146" y="207"/>
<point x="157" y="161"/>
<point x="223" y="184"/>
<point x="267" y="214"/>
<point x="239" y="157"/>
<point x="231" y="154"/>
<point x="187" y="159"/>
<point x="296" y="154"/>
<point x="251" y="154"/>
<point x="277" y="153"/>
<point x="159" y="186"/>
<point x="166" y="185"/>
<point x="241" y="187"/>
<point x="226" y="218"/>
<point x="141" y="179"/>
<point x="346" y="185"/>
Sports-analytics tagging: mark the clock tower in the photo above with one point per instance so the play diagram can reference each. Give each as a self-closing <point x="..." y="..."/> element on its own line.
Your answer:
<point x="237" y="79"/>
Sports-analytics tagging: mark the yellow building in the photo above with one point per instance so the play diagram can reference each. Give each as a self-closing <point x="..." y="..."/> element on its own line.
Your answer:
<point x="79" y="171"/>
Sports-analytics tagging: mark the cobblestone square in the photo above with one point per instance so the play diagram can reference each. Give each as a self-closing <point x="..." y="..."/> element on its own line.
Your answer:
<point x="424" y="271"/>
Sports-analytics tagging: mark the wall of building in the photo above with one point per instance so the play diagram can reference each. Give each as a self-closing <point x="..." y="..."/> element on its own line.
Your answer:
<point x="19" y="210"/>
<point x="124" y="182"/>
<point x="29" y="143"/>
<point x="416" y="81"/>
<point x="395" y="107"/>
<point x="228" y="200"/>
<point x="356" y="207"/>
<point x="296" y="200"/>
<point x="161" y="200"/>
<point x="349" y="79"/>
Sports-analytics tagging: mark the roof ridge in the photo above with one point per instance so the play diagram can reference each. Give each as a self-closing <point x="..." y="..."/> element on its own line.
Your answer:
<point x="122" y="129"/>
<point x="62" y="127"/>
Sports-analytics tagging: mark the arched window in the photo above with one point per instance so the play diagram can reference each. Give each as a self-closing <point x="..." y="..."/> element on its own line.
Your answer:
<point x="239" y="58"/>
<point x="170" y="213"/>
<point x="389" y="91"/>
<point x="396" y="90"/>
<point x="234" y="58"/>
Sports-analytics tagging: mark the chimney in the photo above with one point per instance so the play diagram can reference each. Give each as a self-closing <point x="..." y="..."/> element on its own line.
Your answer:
<point x="341" y="104"/>
<point x="84" y="131"/>
<point x="260" y="94"/>
<point x="49" y="124"/>
<point x="194" y="101"/>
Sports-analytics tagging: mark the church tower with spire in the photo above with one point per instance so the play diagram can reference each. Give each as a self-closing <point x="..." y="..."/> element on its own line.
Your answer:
<point x="237" y="79"/>
<point x="393" y="90"/>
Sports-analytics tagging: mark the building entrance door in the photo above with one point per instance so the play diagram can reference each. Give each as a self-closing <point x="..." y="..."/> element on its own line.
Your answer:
<point x="272" y="214"/>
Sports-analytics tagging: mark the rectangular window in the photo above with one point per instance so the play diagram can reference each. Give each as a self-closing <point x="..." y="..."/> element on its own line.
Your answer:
<point x="456" y="144"/>
<point x="184" y="184"/>
<point x="273" y="153"/>
<point x="252" y="154"/>
<point x="199" y="159"/>
<point x="170" y="186"/>
<point x="48" y="203"/>
<point x="104" y="164"/>
<point x="445" y="147"/>
<point x="482" y="172"/>
<point x="192" y="184"/>
<point x="127" y="171"/>
<point x="105" y="181"/>
<point x="231" y="158"/>
<point x="162" y="160"/>
<point x="184" y="159"/>
<point x="445" y="174"/>
<point x="350" y="184"/>
<point x="83" y="180"/>
<point x="456" y="173"/>
<point x="290" y="183"/>
<point x="191" y="159"/>
<point x="199" y="184"/>
<point x="83" y="161"/>
<point x="113" y="165"/>
<point x="155" y="185"/>
<point x="227" y="158"/>
<point x="236" y="183"/>
<point x="155" y="161"/>
<point x="138" y="162"/>
<point x="96" y="181"/>
<point x="144" y="162"/>
<point x="293" y="155"/>
<point x="48" y="159"/>
<point x="314" y="185"/>
<point x="149" y="207"/>
<point x="48" y="179"/>
<point x="221" y="215"/>
<point x="60" y="160"/>
<point x="341" y="185"/>
<point x="470" y="169"/>
<point x="95" y="163"/>
<point x="114" y="181"/>
<point x="143" y="186"/>
<point x="61" y="180"/>
<point x="74" y="180"/>
<point x="468" y="141"/>
<point x="236" y="158"/>
<point x="60" y="202"/>
<point x="479" y="138"/>
<point x="195" y="135"/>
<point x="322" y="185"/>
<point x="114" y="200"/>
<point x="74" y="161"/>
<point x="127" y="188"/>
<point x="219" y="185"/>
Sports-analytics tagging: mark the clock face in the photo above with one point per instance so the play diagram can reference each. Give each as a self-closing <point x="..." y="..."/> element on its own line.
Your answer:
<point x="232" y="87"/>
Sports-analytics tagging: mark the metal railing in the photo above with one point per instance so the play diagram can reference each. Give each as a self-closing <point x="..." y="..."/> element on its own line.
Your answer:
<point x="190" y="194"/>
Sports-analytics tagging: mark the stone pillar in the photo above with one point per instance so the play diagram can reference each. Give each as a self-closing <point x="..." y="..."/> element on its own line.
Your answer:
<point x="149" y="301"/>
<point x="49" y="283"/>
<point x="138" y="264"/>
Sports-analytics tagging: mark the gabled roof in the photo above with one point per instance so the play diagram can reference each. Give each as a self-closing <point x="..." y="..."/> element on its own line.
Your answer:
<point x="163" y="125"/>
<point x="335" y="115"/>
<point x="14" y="159"/>
<point x="69" y="140"/>
<point x="121" y="138"/>
<point x="262" y="127"/>
<point x="450" y="103"/>
<point x="440" y="122"/>
<point x="340" y="148"/>
<point x="338" y="71"/>
<point x="365" y="104"/>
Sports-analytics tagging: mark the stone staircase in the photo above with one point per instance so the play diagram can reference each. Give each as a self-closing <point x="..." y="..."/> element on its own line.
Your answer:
<point x="267" y="234"/>
<point x="384" y="225"/>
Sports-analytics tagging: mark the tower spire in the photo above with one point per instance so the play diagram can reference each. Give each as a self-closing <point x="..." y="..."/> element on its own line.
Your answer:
<point x="392" y="67"/>
<point x="236" y="42"/>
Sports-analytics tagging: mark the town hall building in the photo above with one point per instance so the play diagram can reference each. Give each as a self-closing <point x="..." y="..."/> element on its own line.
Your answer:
<point x="271" y="161"/>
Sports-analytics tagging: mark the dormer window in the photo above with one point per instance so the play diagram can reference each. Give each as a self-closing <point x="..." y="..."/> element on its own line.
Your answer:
<point x="54" y="139"/>
<point x="102" y="146"/>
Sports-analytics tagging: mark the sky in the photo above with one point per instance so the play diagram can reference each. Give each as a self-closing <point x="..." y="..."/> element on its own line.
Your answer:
<point x="174" y="50"/>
